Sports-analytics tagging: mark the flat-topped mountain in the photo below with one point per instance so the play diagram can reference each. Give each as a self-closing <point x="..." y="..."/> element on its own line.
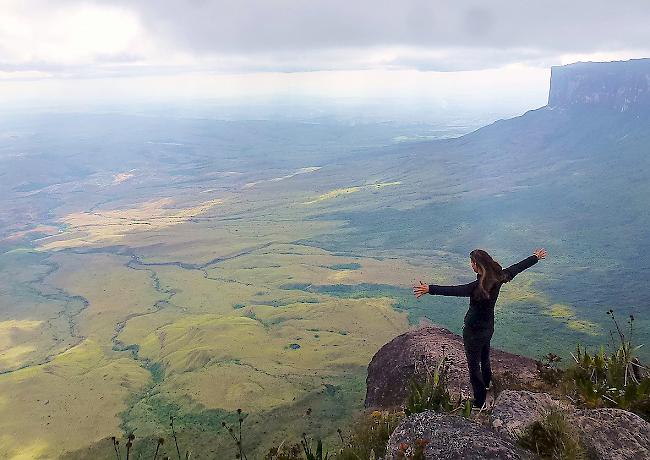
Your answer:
<point x="620" y="85"/>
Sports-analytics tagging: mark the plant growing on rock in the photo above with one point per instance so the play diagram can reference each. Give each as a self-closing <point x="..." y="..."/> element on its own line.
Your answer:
<point x="553" y="438"/>
<point x="548" y="369"/>
<point x="616" y="380"/>
<point x="429" y="390"/>
<point x="414" y="452"/>
<point x="285" y="452"/>
<point x="309" y="453"/>
<point x="370" y="435"/>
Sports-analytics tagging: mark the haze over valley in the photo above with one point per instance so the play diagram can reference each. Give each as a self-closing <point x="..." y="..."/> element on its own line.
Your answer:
<point x="196" y="219"/>
<point x="195" y="266"/>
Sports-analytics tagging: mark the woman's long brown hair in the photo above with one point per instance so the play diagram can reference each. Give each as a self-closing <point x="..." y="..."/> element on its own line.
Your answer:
<point x="490" y="271"/>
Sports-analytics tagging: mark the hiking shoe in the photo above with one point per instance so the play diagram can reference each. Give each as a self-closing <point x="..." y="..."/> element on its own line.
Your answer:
<point x="475" y="405"/>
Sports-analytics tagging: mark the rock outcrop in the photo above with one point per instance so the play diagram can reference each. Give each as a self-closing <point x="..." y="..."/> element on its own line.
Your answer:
<point x="606" y="434"/>
<point x="513" y="411"/>
<point x="613" y="434"/>
<point x="396" y="362"/>
<point x="619" y="86"/>
<point x="450" y="437"/>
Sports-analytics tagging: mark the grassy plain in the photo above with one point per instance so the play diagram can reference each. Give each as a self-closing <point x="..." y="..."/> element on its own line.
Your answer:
<point x="210" y="269"/>
<point x="219" y="328"/>
<point x="199" y="316"/>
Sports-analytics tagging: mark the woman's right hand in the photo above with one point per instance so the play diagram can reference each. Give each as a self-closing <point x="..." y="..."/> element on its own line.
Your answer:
<point x="540" y="253"/>
<point x="420" y="289"/>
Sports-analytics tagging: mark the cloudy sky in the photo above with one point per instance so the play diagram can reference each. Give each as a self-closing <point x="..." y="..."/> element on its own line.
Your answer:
<point x="458" y="51"/>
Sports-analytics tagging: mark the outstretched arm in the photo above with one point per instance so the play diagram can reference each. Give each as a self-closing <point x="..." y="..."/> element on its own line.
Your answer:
<point x="528" y="262"/>
<point x="461" y="290"/>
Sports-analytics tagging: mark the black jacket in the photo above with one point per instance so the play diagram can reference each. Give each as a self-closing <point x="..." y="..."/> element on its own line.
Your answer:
<point x="481" y="311"/>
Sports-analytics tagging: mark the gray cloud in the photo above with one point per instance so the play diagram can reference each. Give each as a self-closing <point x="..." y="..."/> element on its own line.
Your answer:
<point x="302" y="35"/>
<point x="487" y="32"/>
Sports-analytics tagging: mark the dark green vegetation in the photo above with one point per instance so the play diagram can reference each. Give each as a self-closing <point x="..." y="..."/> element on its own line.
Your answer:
<point x="428" y="390"/>
<point x="574" y="181"/>
<point x="616" y="379"/>
<point x="351" y="266"/>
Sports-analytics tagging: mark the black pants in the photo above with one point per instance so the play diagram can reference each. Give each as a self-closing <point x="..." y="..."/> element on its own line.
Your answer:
<point x="477" y="351"/>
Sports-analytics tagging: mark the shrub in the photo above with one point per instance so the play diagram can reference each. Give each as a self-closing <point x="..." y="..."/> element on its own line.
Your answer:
<point x="370" y="435"/>
<point x="616" y="380"/>
<point x="429" y="391"/>
<point x="235" y="434"/>
<point x="285" y="452"/>
<point x="553" y="438"/>
<point x="548" y="369"/>
<point x="309" y="453"/>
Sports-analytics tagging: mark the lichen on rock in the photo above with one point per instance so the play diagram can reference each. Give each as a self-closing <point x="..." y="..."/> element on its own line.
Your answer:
<point x="451" y="437"/>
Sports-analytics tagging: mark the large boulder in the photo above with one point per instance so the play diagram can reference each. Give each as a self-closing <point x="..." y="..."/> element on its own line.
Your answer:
<point x="613" y="434"/>
<point x="514" y="410"/>
<point x="396" y="362"/>
<point x="450" y="437"/>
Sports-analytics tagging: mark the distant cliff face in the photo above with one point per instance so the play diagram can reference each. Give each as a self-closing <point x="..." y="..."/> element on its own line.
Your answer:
<point x="621" y="86"/>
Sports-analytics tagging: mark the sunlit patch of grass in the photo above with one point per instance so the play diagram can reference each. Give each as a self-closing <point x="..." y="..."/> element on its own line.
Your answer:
<point x="567" y="315"/>
<point x="34" y="448"/>
<point x="334" y="194"/>
<point x="33" y="313"/>
<point x="84" y="228"/>
<point x="340" y="275"/>
<point x="243" y="359"/>
<point x="33" y="232"/>
<point x="17" y="341"/>
<point x="521" y="290"/>
<point x="15" y="355"/>
<point x="122" y="177"/>
<point x="12" y="325"/>
<point x="560" y="311"/>
<point x="584" y="326"/>
<point x="524" y="291"/>
<point x="196" y="293"/>
<point x="348" y="190"/>
<point x="67" y="403"/>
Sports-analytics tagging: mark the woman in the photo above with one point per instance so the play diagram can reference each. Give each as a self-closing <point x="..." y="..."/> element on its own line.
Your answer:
<point x="479" y="319"/>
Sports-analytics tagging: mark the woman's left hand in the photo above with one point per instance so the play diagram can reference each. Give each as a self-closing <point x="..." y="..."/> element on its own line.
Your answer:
<point x="420" y="289"/>
<point x="540" y="253"/>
